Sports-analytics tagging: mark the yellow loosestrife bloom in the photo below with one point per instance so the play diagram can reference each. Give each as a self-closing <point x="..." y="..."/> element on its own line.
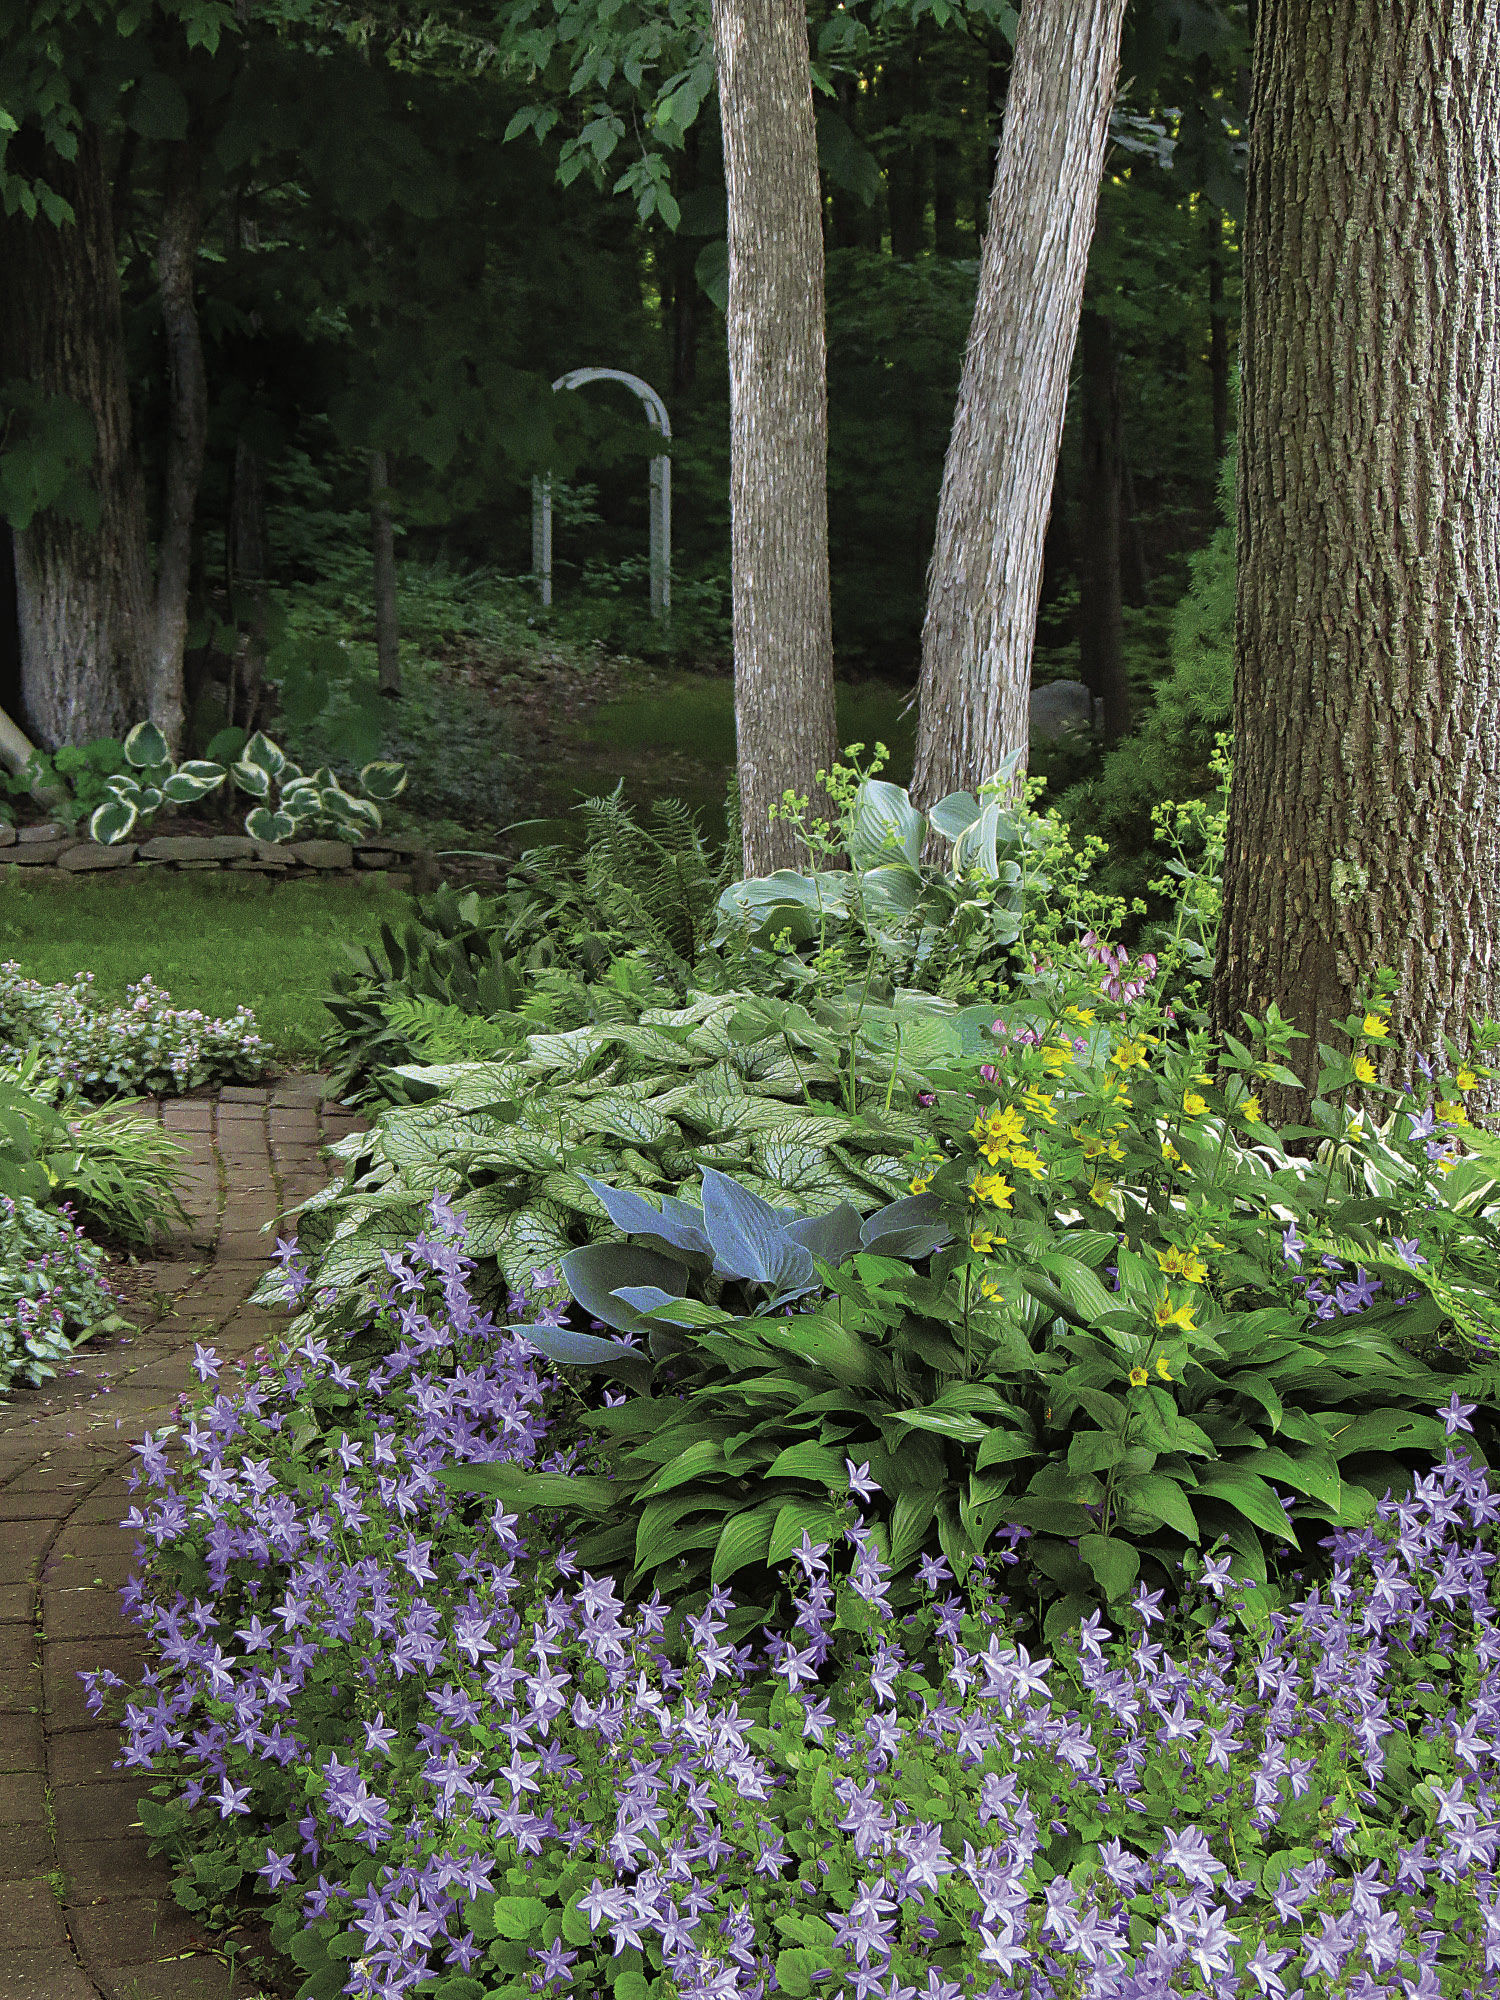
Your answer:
<point x="1167" y="1314"/>
<point x="1466" y="1079"/>
<point x="1162" y="1369"/>
<point x="1376" y="1027"/>
<point x="992" y="1189"/>
<point x="1364" y="1069"/>
<point x="1138" y="1378"/>
<point x="1250" y="1111"/>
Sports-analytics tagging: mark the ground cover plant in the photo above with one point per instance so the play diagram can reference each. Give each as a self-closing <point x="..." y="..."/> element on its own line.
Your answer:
<point x="463" y="1767"/>
<point x="215" y="945"/>
<point x="52" y="1289"/>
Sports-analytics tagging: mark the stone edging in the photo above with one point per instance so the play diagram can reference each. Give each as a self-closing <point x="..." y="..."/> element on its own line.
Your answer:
<point x="399" y="861"/>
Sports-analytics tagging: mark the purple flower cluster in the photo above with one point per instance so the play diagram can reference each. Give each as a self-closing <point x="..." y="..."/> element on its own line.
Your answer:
<point x="52" y="1288"/>
<point x="145" y="1043"/>
<point x="463" y="1754"/>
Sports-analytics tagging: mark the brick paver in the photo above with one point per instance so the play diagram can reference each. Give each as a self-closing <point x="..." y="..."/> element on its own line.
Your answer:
<point x="86" y="1913"/>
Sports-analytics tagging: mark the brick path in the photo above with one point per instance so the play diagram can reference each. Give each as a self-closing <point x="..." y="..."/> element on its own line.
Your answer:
<point x="85" y="1912"/>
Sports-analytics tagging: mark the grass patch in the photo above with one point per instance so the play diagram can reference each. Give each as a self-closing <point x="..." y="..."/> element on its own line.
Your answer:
<point x="215" y="942"/>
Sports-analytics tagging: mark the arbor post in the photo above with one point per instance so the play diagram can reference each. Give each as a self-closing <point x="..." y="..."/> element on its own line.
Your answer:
<point x="661" y="495"/>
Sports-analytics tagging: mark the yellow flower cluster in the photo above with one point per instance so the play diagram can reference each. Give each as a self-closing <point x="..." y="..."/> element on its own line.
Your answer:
<point x="994" y="1190"/>
<point x="997" y="1131"/>
<point x="1186" y="1264"/>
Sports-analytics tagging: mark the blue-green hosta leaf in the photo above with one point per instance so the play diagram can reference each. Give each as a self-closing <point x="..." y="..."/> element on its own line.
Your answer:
<point x="953" y="814"/>
<point x="597" y="1272"/>
<point x="111" y="822"/>
<point x="975" y="850"/>
<point x="675" y="1222"/>
<point x="749" y="1238"/>
<point x="911" y="1227"/>
<point x="383" y="780"/>
<point x="587" y="1350"/>
<point x="145" y="746"/>
<point x="831" y="1237"/>
<point x="883" y="822"/>
<point x="251" y="777"/>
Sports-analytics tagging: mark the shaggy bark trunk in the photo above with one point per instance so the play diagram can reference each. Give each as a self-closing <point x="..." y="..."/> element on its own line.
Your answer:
<point x="1101" y="600"/>
<point x="383" y="543"/>
<point x="1364" y="816"/>
<point x="997" y="481"/>
<point x="82" y="592"/>
<point x="778" y="418"/>
<point x="187" y="437"/>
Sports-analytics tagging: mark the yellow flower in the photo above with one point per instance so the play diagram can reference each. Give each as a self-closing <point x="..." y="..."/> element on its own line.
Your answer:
<point x="1250" y="1111"/>
<point x="1364" y="1069"/>
<point x="984" y="1241"/>
<point x="1028" y="1162"/>
<point x="1040" y="1106"/>
<point x="1129" y="1055"/>
<point x="1376" y="1027"/>
<point x="1466" y="1079"/>
<point x="919" y="1183"/>
<point x="1084" y="1016"/>
<point x="990" y="1290"/>
<point x="1355" y="1133"/>
<point x="1138" y="1378"/>
<point x="1162" y="1369"/>
<point x="1178" y="1263"/>
<point x="1167" y="1314"/>
<point x="1171" y="1154"/>
<point x="1101" y="1191"/>
<point x="1056" y="1057"/>
<point x="992" y="1189"/>
<point x="1193" y="1106"/>
<point x="1451" y="1113"/>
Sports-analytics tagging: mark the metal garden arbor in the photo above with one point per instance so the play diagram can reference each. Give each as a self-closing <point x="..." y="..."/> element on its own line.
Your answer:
<point x="661" y="494"/>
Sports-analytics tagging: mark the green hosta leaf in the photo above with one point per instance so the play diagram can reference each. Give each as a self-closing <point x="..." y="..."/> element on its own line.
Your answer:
<point x="383" y="781"/>
<point x="794" y="1518"/>
<point x="111" y="822"/>
<point x="1312" y="1472"/>
<point x="810" y="1461"/>
<point x="943" y="1423"/>
<point x="745" y="1539"/>
<point x="1116" y="1564"/>
<point x="1383" y="1430"/>
<point x="145" y="746"/>
<point x="1248" y="1492"/>
<point x="1160" y="1499"/>
<point x="911" y="1520"/>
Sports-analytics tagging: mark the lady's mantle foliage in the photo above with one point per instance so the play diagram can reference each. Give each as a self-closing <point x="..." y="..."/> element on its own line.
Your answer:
<point x="464" y="1768"/>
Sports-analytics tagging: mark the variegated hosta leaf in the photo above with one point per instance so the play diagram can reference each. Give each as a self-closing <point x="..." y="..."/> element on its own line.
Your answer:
<point x="110" y="823"/>
<point x="262" y="824"/>
<point x="251" y="777"/>
<point x="383" y="780"/>
<point x="145" y="746"/>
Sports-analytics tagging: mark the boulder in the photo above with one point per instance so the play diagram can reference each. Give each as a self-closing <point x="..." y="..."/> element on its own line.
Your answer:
<point x="90" y="854"/>
<point x="321" y="853"/>
<point x="37" y="853"/>
<point x="1059" y="707"/>
<point x="198" y="847"/>
<point x="7" y="834"/>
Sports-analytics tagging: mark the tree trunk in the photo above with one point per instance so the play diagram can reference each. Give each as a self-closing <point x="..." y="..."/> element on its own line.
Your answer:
<point x="1101" y="603"/>
<point x="249" y="567"/>
<point x="778" y="418"/>
<point x="187" y="435"/>
<point x="383" y="543"/>
<point x="1218" y="337"/>
<point x="82" y="592"/>
<point x="1364" y="815"/>
<point x="997" y="481"/>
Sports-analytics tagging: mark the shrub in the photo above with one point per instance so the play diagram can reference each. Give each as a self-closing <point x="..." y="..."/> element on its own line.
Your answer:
<point x="462" y="1768"/>
<point x="120" y="1174"/>
<point x="52" y="1294"/>
<point x="144" y="1044"/>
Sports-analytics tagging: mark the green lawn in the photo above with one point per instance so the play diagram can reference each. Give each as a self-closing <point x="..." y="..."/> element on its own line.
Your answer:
<point x="213" y="941"/>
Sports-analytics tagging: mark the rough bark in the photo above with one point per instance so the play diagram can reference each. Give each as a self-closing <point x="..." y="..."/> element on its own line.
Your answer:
<point x="82" y="592"/>
<point x="1101" y="598"/>
<point x="778" y="417"/>
<point x="383" y="545"/>
<point x="1364" y="816"/>
<point x="187" y="433"/>
<point x="1218" y="336"/>
<point x="997" y="480"/>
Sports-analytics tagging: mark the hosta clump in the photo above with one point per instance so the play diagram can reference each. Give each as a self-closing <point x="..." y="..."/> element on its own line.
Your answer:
<point x="459" y="1766"/>
<point x="755" y="1089"/>
<point x="144" y="1044"/>
<point x="305" y="804"/>
<point x="52" y="1291"/>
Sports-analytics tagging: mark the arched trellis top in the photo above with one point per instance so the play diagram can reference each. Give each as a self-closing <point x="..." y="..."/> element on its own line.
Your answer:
<point x="661" y="494"/>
